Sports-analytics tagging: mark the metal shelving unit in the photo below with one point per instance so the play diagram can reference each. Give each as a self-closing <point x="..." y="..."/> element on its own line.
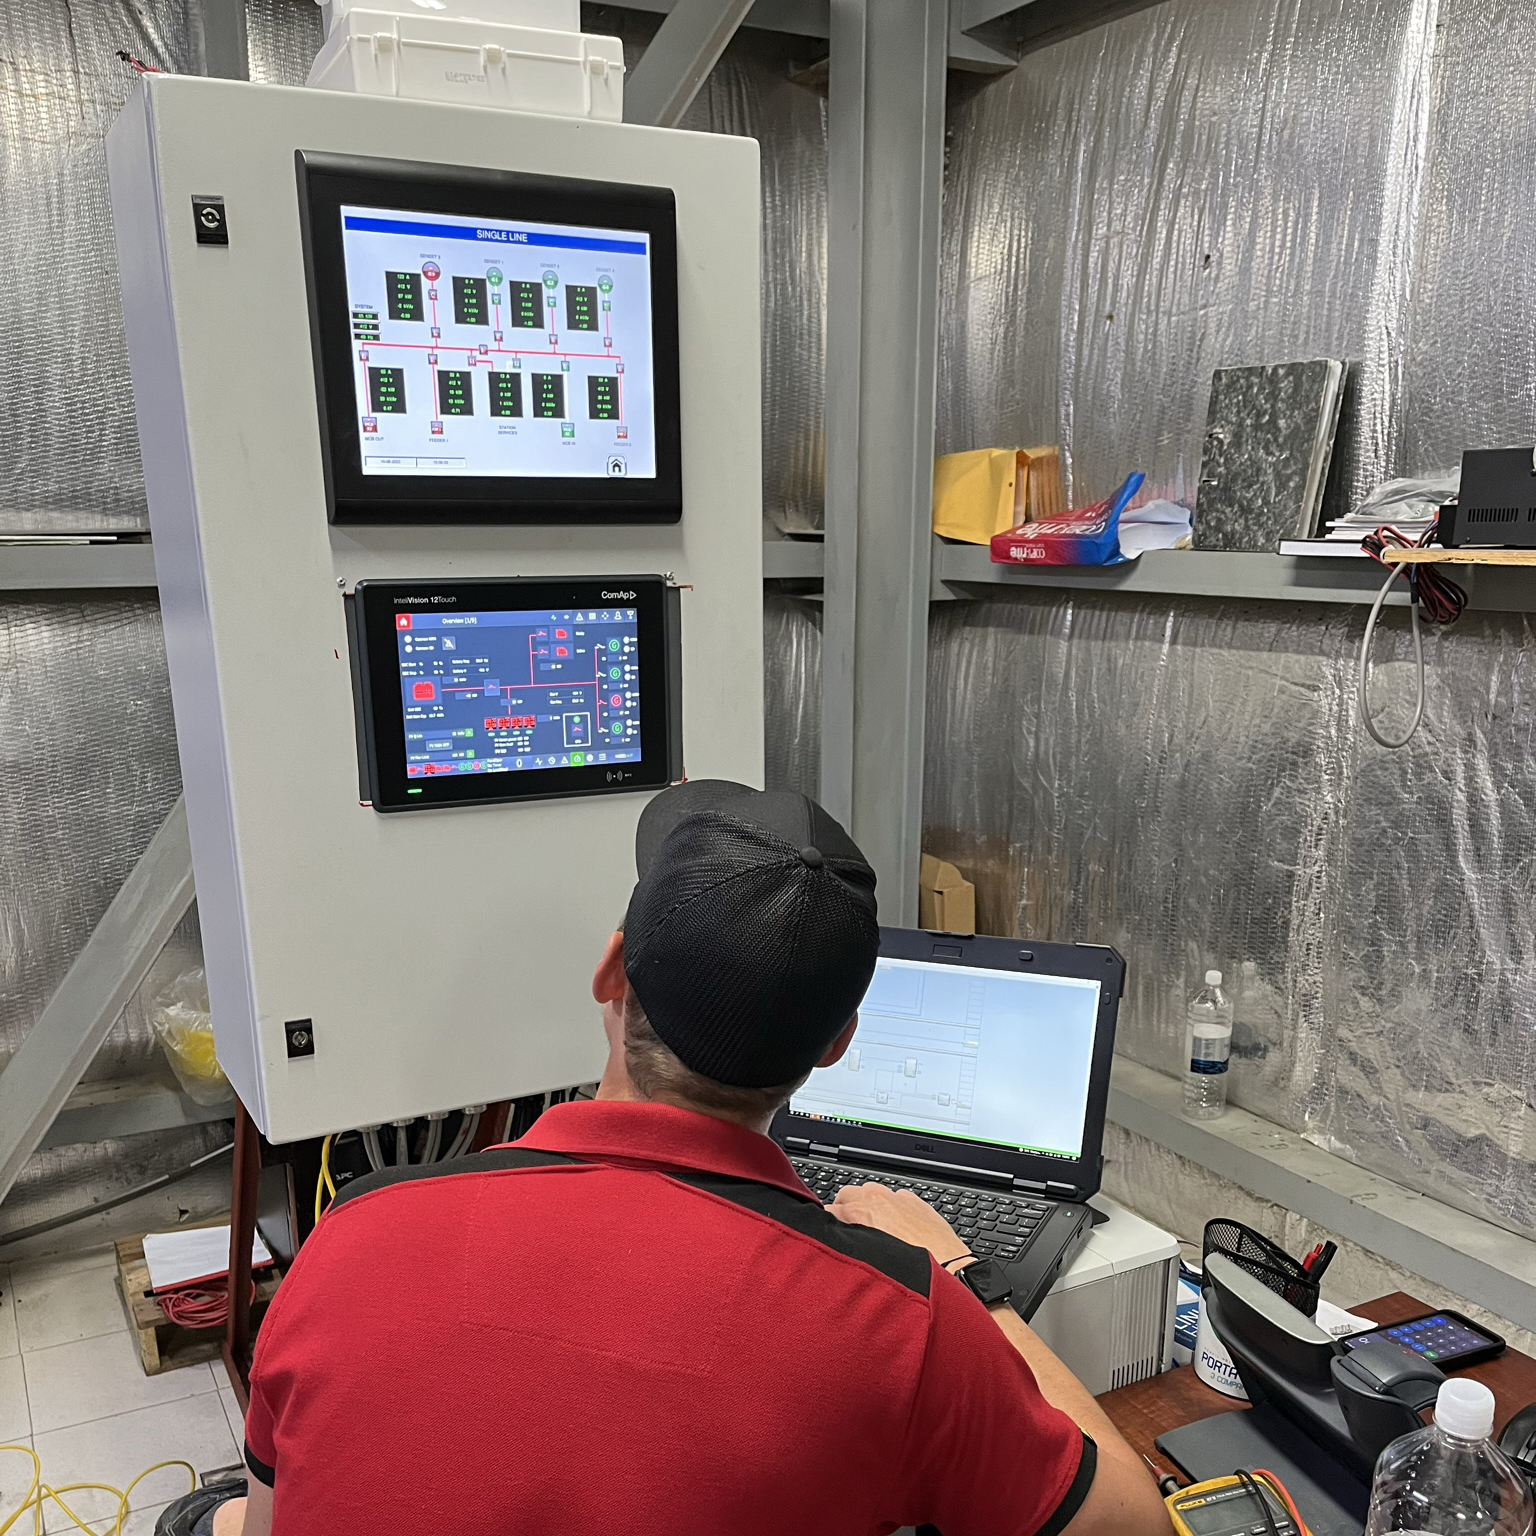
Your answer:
<point x="964" y="571"/>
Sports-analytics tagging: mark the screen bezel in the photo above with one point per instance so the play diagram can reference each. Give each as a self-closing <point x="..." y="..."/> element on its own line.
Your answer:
<point x="1074" y="1178"/>
<point x="383" y="709"/>
<point x="326" y="183"/>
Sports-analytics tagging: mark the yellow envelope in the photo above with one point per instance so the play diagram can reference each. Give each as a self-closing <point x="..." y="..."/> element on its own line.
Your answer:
<point x="990" y="490"/>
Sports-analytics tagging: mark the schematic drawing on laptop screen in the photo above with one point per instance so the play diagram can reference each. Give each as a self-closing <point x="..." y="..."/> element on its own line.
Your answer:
<point x="991" y="1056"/>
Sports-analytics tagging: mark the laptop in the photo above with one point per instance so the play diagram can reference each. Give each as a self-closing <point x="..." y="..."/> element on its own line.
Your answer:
<point x="978" y="1078"/>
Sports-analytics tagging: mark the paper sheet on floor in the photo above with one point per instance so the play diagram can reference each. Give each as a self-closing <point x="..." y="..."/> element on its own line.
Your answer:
<point x="197" y="1253"/>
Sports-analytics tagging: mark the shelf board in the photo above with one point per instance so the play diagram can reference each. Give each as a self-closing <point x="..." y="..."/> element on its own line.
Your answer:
<point x="1437" y="556"/>
<point x="967" y="571"/>
<point x="76" y="567"/>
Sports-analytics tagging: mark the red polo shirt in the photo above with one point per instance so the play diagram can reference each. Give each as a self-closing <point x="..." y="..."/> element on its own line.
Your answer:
<point x="638" y="1320"/>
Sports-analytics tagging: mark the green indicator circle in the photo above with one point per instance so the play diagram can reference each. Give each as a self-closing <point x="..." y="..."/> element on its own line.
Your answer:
<point x="493" y="277"/>
<point x="551" y="280"/>
<point x="613" y="645"/>
<point x="613" y="672"/>
<point x="605" y="283"/>
<point x="618" y="727"/>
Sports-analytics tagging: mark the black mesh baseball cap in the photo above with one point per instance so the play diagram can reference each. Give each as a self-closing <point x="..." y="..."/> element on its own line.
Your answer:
<point x="752" y="933"/>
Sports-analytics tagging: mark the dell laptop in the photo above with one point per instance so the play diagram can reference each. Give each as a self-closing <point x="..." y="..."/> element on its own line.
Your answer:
<point x="978" y="1078"/>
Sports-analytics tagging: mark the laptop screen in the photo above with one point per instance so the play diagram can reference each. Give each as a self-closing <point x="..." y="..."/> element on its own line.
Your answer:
<point x="1000" y="1057"/>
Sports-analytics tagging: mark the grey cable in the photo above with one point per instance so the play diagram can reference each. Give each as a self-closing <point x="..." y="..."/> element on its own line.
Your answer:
<point x="160" y="1181"/>
<point x="402" y="1148"/>
<point x="466" y="1134"/>
<point x="434" y="1139"/>
<point x="1363" y="693"/>
<point x="370" y="1135"/>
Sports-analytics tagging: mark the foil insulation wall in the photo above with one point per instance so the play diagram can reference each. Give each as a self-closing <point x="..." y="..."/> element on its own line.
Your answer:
<point x="66" y="411"/>
<point x="751" y="92"/>
<point x="282" y="38"/>
<point x="1220" y="182"/>
<point x="89" y="753"/>
<point x="1188" y="781"/>
<point x="792" y="693"/>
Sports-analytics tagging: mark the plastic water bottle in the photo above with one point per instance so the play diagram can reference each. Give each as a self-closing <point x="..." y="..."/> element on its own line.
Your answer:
<point x="1449" y="1479"/>
<point x="1208" y="1046"/>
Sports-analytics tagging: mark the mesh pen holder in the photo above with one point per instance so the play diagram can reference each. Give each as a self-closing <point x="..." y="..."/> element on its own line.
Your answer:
<point x="1267" y="1262"/>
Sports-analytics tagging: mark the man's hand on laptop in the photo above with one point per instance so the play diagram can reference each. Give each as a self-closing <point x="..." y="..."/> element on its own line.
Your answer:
<point x="903" y="1215"/>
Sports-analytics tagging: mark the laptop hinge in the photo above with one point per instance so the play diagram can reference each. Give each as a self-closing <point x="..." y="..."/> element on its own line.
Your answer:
<point x="923" y="1167"/>
<point x="821" y="1149"/>
<point x="1053" y="1188"/>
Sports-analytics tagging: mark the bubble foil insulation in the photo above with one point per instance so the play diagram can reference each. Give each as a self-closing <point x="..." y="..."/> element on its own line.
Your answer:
<point x="66" y="409"/>
<point x="1187" y="780"/>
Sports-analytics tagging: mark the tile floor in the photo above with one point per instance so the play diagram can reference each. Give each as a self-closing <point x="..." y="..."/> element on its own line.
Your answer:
<point x="72" y="1388"/>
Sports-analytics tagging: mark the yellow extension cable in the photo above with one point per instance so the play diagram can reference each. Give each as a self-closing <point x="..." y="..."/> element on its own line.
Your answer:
<point x="324" y="1185"/>
<point x="39" y="1491"/>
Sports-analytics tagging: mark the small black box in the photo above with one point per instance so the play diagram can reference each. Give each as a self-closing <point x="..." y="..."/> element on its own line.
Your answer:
<point x="1497" y="505"/>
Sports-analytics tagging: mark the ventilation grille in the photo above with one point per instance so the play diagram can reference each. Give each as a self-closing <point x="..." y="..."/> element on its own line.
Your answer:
<point x="1497" y="514"/>
<point x="1139" y="1323"/>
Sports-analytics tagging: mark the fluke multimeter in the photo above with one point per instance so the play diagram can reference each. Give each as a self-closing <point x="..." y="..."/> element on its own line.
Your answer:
<point x="1248" y="1504"/>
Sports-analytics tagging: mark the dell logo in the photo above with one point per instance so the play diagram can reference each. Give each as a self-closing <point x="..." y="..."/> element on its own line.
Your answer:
<point x="922" y="1146"/>
<point x="617" y="597"/>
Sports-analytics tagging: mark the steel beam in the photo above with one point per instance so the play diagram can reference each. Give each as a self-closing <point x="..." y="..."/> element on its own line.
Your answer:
<point x="116" y="958"/>
<point x="75" y="567"/>
<point x="885" y="162"/>
<point x="224" y="43"/>
<point x="1029" y="24"/>
<point x="679" y="59"/>
<point x="808" y="19"/>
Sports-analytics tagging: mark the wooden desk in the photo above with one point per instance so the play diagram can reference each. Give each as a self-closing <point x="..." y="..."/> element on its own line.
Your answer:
<point x="1150" y="1408"/>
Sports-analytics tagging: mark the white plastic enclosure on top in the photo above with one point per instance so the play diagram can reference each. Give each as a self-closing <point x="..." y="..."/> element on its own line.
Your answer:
<point x="441" y="957"/>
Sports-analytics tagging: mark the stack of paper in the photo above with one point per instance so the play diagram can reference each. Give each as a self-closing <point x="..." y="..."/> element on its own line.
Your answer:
<point x="193" y="1256"/>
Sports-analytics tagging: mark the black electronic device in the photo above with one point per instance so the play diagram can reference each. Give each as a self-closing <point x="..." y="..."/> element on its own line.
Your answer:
<point x="1445" y="1338"/>
<point x="480" y="691"/>
<point x="491" y="346"/>
<point x="1518" y="1440"/>
<point x="1496" y="504"/>
<point x="986" y="1282"/>
<point x="978" y="1078"/>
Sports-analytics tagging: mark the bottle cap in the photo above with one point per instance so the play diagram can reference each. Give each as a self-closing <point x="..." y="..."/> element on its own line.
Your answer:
<point x="1213" y="978"/>
<point x="1464" y="1409"/>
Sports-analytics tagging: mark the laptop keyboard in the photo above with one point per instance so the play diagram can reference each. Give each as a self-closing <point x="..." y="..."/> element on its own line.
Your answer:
<point x="996" y="1226"/>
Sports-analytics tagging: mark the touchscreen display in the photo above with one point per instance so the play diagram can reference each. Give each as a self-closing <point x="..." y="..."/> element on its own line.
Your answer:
<point x="502" y="348"/>
<point x="1435" y="1338"/>
<point x="519" y="690"/>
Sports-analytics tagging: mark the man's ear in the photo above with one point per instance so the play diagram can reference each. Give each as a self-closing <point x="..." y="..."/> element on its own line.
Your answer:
<point x="835" y="1052"/>
<point x="608" y="980"/>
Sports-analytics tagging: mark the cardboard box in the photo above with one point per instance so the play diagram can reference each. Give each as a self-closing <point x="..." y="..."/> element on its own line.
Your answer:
<point x="946" y="900"/>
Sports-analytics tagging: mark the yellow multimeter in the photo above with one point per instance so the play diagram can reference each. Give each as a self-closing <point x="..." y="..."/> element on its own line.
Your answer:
<point x="1248" y="1504"/>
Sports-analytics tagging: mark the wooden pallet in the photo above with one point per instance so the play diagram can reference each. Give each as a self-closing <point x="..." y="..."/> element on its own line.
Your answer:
<point x="164" y="1345"/>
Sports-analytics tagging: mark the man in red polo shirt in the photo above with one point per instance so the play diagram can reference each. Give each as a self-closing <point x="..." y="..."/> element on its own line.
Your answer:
<point x="637" y="1319"/>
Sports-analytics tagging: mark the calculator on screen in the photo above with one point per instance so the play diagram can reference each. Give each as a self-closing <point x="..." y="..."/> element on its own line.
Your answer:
<point x="1444" y="1338"/>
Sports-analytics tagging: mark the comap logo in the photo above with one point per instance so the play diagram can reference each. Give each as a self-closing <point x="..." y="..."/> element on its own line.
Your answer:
<point x="617" y="597"/>
<point x="463" y="77"/>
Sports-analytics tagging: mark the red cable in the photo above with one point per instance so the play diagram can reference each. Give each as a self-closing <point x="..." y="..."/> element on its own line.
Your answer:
<point x="197" y="1308"/>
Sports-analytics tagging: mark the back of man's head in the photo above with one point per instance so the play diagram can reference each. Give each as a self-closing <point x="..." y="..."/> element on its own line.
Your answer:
<point x="749" y="942"/>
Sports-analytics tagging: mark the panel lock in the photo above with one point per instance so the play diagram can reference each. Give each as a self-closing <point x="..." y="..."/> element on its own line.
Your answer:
<point x="300" y="1034"/>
